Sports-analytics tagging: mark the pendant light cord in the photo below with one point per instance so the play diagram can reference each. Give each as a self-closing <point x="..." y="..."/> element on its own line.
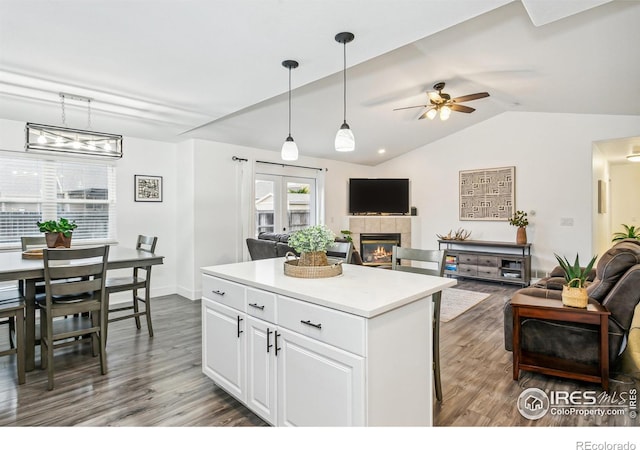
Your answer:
<point x="344" y="81"/>
<point x="289" y="101"/>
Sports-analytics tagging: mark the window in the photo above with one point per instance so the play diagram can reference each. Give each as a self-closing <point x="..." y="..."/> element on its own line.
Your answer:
<point x="35" y="189"/>
<point x="284" y="204"/>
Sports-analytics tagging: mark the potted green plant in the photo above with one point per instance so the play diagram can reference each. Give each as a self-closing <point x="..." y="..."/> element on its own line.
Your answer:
<point x="312" y="243"/>
<point x="630" y="232"/>
<point x="520" y="220"/>
<point x="574" y="293"/>
<point x="57" y="232"/>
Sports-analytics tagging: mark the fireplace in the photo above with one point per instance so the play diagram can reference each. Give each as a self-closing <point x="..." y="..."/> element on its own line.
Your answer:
<point x="376" y="249"/>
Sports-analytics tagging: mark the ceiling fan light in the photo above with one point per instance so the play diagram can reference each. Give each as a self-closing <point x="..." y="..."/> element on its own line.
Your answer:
<point x="634" y="157"/>
<point x="345" y="141"/>
<point x="289" y="150"/>
<point x="432" y="113"/>
<point x="445" y="112"/>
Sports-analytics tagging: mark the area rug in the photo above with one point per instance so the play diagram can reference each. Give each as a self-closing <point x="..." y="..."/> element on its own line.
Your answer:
<point x="456" y="301"/>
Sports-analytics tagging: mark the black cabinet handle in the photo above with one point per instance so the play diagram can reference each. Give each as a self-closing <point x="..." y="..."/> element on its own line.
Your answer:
<point x="218" y="292"/>
<point x="308" y="322"/>
<point x="255" y="305"/>
<point x="277" y="348"/>
<point x="268" y="335"/>
<point x="239" y="330"/>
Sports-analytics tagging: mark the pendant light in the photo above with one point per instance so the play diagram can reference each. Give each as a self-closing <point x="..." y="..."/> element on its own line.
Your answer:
<point x="345" y="142"/>
<point x="289" y="148"/>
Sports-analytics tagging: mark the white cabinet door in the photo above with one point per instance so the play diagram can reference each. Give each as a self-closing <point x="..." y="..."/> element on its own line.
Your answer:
<point x="261" y="369"/>
<point x="223" y="347"/>
<point x="318" y="385"/>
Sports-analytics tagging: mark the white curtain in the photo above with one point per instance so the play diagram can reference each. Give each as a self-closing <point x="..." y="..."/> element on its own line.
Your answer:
<point x="245" y="171"/>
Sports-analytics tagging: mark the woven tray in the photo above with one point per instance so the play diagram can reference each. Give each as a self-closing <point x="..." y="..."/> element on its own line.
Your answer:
<point x="35" y="253"/>
<point x="292" y="269"/>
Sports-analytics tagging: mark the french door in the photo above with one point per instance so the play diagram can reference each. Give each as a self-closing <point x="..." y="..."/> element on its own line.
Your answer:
<point x="283" y="203"/>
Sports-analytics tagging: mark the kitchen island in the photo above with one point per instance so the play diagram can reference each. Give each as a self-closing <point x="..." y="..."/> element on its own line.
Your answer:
<point x="350" y="350"/>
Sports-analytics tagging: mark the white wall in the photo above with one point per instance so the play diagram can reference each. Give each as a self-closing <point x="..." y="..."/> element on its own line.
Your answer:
<point x="601" y="219"/>
<point x="552" y="154"/>
<point x="217" y="225"/>
<point x="625" y="185"/>
<point x="142" y="157"/>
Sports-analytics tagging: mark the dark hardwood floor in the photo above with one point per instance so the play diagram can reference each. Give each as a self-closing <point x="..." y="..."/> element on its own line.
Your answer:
<point x="159" y="382"/>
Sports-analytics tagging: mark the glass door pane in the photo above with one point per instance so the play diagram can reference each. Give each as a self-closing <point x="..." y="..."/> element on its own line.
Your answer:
<point x="299" y="205"/>
<point x="266" y="195"/>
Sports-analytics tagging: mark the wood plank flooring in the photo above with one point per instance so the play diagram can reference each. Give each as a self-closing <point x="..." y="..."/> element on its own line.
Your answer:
<point x="159" y="382"/>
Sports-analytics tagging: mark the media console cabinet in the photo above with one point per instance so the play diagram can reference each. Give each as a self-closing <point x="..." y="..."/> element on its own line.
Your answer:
<point x="350" y="350"/>
<point x="506" y="262"/>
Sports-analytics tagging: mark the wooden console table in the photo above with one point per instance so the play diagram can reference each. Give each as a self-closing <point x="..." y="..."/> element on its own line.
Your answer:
<point x="486" y="260"/>
<point x="552" y="309"/>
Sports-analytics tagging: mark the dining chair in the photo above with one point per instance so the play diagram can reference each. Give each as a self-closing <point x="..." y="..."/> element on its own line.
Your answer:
<point x="340" y="250"/>
<point x="134" y="283"/>
<point x="74" y="303"/>
<point x="434" y="260"/>
<point x="12" y="309"/>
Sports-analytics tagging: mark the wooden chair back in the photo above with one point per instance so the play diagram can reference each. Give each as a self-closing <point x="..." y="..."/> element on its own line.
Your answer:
<point x="340" y="250"/>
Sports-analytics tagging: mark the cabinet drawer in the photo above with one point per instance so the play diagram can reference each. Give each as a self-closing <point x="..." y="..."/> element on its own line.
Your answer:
<point x="464" y="269"/>
<point x="223" y="291"/>
<point x="342" y="330"/>
<point x="489" y="261"/>
<point x="490" y="272"/>
<point x="467" y="259"/>
<point x="261" y="304"/>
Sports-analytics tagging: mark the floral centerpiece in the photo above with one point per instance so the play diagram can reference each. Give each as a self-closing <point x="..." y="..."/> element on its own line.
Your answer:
<point x="312" y="243"/>
<point x="520" y="220"/>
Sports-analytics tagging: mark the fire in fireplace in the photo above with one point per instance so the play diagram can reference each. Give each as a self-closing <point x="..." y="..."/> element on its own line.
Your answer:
<point x="376" y="249"/>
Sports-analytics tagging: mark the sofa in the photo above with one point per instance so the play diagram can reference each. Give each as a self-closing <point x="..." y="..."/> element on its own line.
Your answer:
<point x="274" y="245"/>
<point x="269" y="245"/>
<point x="616" y="286"/>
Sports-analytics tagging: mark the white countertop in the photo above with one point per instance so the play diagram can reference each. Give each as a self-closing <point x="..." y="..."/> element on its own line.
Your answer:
<point x="360" y="290"/>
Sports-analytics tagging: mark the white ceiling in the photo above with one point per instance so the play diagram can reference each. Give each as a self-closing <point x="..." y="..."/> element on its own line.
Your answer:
<point x="211" y="69"/>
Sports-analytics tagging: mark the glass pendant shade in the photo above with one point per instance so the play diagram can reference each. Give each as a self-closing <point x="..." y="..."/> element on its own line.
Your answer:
<point x="345" y="142"/>
<point x="432" y="113"/>
<point x="289" y="150"/>
<point x="445" y="112"/>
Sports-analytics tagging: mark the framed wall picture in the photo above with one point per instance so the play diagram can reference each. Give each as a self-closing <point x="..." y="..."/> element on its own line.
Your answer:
<point x="147" y="188"/>
<point x="487" y="194"/>
<point x="602" y="196"/>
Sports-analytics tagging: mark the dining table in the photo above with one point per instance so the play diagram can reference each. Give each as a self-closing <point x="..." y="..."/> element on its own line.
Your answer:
<point x="13" y="267"/>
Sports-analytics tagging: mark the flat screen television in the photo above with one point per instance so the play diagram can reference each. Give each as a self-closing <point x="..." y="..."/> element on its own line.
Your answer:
<point x="378" y="196"/>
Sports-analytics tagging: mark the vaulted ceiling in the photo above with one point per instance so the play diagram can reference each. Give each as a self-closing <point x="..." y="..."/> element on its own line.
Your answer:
<point x="173" y="70"/>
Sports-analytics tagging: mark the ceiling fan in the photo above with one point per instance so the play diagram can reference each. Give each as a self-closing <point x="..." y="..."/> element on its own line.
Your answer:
<point x="440" y="102"/>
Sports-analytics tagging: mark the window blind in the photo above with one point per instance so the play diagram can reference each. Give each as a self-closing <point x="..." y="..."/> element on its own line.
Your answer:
<point x="34" y="189"/>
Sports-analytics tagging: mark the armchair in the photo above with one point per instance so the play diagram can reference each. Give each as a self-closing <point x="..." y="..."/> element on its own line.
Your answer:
<point x="616" y="286"/>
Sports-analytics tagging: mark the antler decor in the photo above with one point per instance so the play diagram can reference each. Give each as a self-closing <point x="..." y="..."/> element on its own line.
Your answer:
<point x="460" y="235"/>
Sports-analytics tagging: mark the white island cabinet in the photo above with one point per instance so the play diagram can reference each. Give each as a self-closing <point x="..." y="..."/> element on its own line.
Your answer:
<point x="351" y="350"/>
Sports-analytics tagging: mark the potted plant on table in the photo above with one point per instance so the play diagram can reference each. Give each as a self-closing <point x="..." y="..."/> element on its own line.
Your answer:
<point x="574" y="293"/>
<point x="57" y="232"/>
<point x="520" y="220"/>
<point x="312" y="243"/>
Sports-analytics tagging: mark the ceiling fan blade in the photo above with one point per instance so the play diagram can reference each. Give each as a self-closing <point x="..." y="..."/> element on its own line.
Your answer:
<point x="409" y="107"/>
<point x="424" y="114"/>
<point x="461" y="108"/>
<point x="434" y="96"/>
<point x="468" y="98"/>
